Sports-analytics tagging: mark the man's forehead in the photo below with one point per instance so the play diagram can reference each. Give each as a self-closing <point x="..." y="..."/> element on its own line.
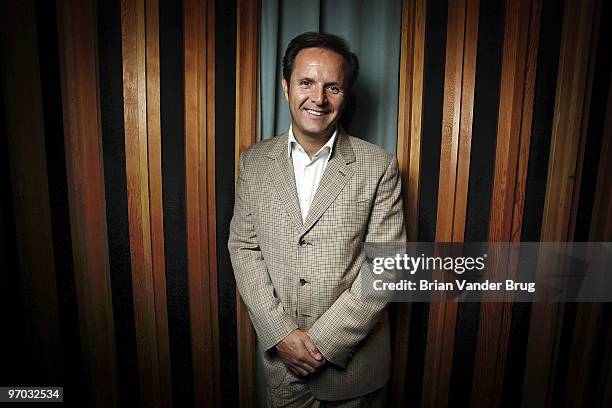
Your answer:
<point x="318" y="57"/>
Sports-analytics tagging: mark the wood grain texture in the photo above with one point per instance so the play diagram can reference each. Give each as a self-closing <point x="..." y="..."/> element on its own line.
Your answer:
<point x="158" y="259"/>
<point x="247" y="68"/>
<point x="522" y="26"/>
<point x="199" y="43"/>
<point x="140" y="53"/>
<point x="25" y="131"/>
<point x="410" y="111"/>
<point x="82" y="135"/>
<point x="461" y="47"/>
<point x="571" y="94"/>
<point x="410" y="107"/>
<point x="589" y="316"/>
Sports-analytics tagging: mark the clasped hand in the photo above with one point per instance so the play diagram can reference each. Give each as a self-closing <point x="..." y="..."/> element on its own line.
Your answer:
<point x="299" y="353"/>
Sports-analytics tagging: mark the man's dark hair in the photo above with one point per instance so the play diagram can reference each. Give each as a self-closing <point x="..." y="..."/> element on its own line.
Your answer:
<point x="321" y="40"/>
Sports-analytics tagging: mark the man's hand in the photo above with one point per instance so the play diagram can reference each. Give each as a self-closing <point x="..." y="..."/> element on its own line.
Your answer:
<point x="299" y="353"/>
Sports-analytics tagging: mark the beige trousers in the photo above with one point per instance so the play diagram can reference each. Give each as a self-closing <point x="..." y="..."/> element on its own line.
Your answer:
<point x="294" y="393"/>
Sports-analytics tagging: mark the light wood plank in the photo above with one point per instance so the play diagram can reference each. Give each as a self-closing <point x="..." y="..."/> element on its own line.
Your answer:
<point x="410" y="111"/>
<point x="158" y="259"/>
<point x="462" y="35"/>
<point x="82" y="135"/>
<point x="199" y="42"/>
<point x="140" y="53"/>
<point x="247" y="68"/>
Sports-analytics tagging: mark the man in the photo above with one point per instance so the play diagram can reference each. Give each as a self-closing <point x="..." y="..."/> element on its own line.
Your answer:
<point x="305" y="201"/>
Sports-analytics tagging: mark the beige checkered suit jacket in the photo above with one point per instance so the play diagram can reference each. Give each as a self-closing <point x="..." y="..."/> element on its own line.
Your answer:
<point x="293" y="274"/>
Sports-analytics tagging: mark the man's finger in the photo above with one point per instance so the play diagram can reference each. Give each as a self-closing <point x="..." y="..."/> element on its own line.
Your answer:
<point x="304" y="365"/>
<point x="298" y="370"/>
<point x="312" y="349"/>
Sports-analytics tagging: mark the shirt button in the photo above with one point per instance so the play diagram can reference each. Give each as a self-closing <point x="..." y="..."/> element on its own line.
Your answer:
<point x="302" y="282"/>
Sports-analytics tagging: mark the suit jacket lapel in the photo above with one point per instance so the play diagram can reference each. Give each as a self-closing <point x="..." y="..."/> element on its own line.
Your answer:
<point x="281" y="173"/>
<point x="336" y="175"/>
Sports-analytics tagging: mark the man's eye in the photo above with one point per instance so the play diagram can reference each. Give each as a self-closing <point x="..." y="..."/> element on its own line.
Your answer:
<point x="334" y="89"/>
<point x="304" y="83"/>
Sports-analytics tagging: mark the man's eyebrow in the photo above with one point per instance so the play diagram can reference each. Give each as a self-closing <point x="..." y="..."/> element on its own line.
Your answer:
<point x="305" y="79"/>
<point x="314" y="81"/>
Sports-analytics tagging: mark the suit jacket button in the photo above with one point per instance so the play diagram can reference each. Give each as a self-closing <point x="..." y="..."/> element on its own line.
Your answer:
<point x="302" y="282"/>
<point x="302" y="243"/>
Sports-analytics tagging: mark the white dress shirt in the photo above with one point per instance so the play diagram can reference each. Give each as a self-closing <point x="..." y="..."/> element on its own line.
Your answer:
<point x="308" y="172"/>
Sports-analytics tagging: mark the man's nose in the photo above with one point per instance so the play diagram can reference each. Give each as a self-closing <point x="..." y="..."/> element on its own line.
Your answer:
<point x="319" y="96"/>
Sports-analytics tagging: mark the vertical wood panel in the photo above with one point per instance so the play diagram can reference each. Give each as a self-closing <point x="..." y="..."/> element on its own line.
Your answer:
<point x="510" y="179"/>
<point x="199" y="42"/>
<point x="601" y="220"/>
<point x="158" y="260"/>
<point x="21" y="87"/>
<point x="140" y="46"/>
<point x="410" y="108"/>
<point x="247" y="68"/>
<point x="544" y="333"/>
<point x="462" y="36"/>
<point x="589" y="316"/>
<point x="80" y="100"/>
<point x="412" y="56"/>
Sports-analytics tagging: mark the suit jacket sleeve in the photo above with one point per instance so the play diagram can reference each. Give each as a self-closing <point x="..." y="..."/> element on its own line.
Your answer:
<point x="271" y="322"/>
<point x="340" y="330"/>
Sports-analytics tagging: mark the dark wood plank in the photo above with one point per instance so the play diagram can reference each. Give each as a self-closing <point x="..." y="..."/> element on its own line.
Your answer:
<point x="247" y="68"/>
<point x="543" y="342"/>
<point x="80" y="101"/>
<point x="22" y="94"/>
<point x="199" y="45"/>
<point x="589" y="316"/>
<point x="511" y="164"/>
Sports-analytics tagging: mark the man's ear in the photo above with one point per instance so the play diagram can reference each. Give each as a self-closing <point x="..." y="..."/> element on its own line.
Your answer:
<point x="286" y="89"/>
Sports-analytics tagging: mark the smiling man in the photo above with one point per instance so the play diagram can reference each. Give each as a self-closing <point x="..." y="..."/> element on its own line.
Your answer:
<point x="305" y="201"/>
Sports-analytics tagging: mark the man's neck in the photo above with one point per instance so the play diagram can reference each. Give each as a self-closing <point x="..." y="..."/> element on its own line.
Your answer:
<point x="311" y="145"/>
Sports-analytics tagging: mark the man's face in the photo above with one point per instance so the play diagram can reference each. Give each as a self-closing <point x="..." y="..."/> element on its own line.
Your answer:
<point x="316" y="92"/>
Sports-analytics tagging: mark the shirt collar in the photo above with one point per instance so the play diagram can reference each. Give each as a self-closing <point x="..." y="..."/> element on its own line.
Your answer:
<point x="330" y="143"/>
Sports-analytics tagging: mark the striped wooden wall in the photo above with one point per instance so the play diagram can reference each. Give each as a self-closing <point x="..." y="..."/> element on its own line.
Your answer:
<point x="121" y="122"/>
<point x="109" y="242"/>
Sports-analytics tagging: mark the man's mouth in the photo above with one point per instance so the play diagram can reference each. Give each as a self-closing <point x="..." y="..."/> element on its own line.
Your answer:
<point x="316" y="113"/>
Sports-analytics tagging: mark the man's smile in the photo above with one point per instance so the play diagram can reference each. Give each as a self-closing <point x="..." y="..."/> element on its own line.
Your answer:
<point x="316" y="112"/>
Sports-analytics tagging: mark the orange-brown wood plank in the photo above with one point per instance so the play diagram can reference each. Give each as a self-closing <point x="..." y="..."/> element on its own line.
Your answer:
<point x="140" y="53"/>
<point x="571" y="95"/>
<point x="210" y="198"/>
<point x="410" y="110"/>
<point x="21" y="86"/>
<point x="80" y="99"/>
<point x="511" y="163"/>
<point x="461" y="47"/>
<point x="247" y="68"/>
<point x="199" y="43"/>
<point x="158" y="259"/>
